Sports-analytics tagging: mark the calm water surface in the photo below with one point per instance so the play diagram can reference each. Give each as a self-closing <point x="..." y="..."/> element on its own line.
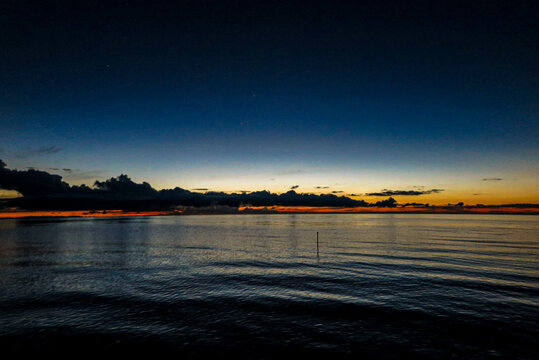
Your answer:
<point x="383" y="285"/>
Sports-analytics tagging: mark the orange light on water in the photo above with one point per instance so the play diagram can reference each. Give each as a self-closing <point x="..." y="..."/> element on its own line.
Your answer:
<point x="82" y="213"/>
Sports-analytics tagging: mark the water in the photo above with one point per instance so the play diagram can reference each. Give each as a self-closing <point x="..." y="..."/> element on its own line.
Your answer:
<point x="383" y="286"/>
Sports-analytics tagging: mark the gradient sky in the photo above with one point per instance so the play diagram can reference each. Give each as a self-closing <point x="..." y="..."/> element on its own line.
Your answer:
<point x="225" y="95"/>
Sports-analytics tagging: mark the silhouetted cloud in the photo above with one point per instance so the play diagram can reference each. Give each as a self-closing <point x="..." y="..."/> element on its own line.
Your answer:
<point x="67" y="170"/>
<point x="42" y="190"/>
<point x="200" y="189"/>
<point x="492" y="179"/>
<point x="48" y="150"/>
<point x="32" y="152"/>
<point x="124" y="186"/>
<point x="31" y="182"/>
<point x="294" y="187"/>
<point x="386" y="192"/>
<point x="390" y="202"/>
<point x="322" y="187"/>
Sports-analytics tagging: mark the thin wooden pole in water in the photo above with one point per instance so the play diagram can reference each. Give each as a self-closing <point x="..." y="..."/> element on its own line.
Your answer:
<point x="317" y="245"/>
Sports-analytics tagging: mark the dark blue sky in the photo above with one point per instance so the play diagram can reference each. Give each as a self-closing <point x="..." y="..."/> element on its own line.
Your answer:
<point x="358" y="96"/>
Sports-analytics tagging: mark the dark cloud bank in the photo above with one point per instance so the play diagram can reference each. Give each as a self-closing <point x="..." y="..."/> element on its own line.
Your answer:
<point x="42" y="190"/>
<point x="386" y="192"/>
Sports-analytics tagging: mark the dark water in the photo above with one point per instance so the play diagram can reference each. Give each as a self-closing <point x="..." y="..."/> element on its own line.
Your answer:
<point x="384" y="286"/>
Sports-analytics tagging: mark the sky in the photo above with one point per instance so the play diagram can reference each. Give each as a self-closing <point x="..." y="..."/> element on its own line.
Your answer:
<point x="354" y="98"/>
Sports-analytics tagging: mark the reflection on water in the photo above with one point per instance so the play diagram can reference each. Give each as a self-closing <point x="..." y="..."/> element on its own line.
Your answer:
<point x="384" y="285"/>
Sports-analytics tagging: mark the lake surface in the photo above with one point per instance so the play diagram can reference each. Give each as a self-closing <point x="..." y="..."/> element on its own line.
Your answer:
<point x="383" y="285"/>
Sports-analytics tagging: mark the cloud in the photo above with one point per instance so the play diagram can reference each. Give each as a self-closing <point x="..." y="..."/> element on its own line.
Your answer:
<point x="492" y="179"/>
<point x="31" y="182"/>
<point x="337" y="191"/>
<point x="200" y="189"/>
<point x="294" y="187"/>
<point x="31" y="152"/>
<point x="42" y="190"/>
<point x="124" y="186"/>
<point x="50" y="169"/>
<point x="48" y="150"/>
<point x="322" y="187"/>
<point x="387" y="192"/>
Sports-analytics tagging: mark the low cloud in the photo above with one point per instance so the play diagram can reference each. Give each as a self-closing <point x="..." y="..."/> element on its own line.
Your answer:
<point x="48" y="150"/>
<point x="43" y="190"/>
<point x="32" y="152"/>
<point x="322" y="187"/>
<point x="201" y="189"/>
<point x="387" y="192"/>
<point x="492" y="179"/>
<point x="337" y="191"/>
<point x="294" y="187"/>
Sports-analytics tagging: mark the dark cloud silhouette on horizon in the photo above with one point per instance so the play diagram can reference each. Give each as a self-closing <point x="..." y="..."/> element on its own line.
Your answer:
<point x="294" y="187"/>
<point x="43" y="190"/>
<point x="200" y="189"/>
<point x="387" y="192"/>
<point x="492" y="179"/>
<point x="322" y="187"/>
<point x="31" y="182"/>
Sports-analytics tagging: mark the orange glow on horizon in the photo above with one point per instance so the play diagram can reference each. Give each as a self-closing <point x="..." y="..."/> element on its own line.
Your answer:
<point x="82" y="213"/>
<point x="358" y="210"/>
<point x="15" y="214"/>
